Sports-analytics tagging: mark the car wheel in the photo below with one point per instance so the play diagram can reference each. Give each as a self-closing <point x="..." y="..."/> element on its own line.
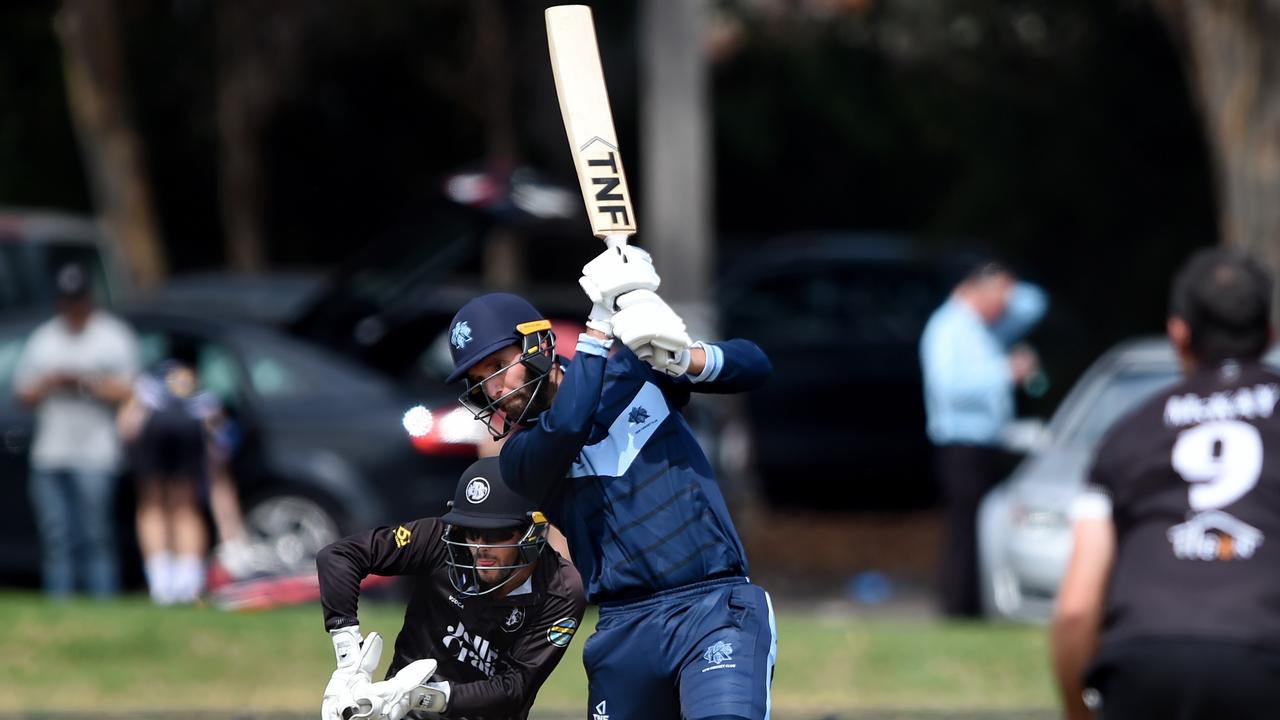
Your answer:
<point x="293" y="526"/>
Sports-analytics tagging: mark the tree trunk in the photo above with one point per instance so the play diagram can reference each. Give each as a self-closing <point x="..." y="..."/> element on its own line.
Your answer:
<point x="257" y="53"/>
<point x="504" y="249"/>
<point x="675" y="217"/>
<point x="98" y="95"/>
<point x="1231" y="49"/>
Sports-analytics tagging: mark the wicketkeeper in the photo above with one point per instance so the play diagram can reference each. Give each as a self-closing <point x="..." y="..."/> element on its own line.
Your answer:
<point x="491" y="610"/>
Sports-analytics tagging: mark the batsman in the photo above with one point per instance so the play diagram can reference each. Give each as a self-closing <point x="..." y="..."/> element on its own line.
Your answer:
<point x="601" y="445"/>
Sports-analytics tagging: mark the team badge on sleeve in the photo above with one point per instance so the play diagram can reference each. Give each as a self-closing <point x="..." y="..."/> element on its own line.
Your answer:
<point x="402" y="536"/>
<point x="561" y="631"/>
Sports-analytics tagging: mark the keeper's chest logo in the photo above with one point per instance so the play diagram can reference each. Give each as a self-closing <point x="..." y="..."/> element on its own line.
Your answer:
<point x="514" y="620"/>
<point x="470" y="648"/>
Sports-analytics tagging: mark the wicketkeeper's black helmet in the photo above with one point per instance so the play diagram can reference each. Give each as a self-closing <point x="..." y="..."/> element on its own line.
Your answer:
<point x="483" y="503"/>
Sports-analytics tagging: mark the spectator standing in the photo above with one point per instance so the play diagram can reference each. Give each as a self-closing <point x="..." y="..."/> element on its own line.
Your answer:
<point x="168" y="422"/>
<point x="74" y="370"/>
<point x="969" y="378"/>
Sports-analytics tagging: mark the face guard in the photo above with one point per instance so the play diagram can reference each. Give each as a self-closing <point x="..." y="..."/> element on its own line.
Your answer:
<point x="537" y="354"/>
<point x="461" y="559"/>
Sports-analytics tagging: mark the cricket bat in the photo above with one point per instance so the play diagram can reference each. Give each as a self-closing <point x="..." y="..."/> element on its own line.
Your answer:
<point x="588" y="122"/>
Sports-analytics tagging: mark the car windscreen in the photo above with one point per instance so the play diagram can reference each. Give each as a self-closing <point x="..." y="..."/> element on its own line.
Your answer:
<point x="27" y="270"/>
<point x="1120" y="393"/>
<point x="863" y="304"/>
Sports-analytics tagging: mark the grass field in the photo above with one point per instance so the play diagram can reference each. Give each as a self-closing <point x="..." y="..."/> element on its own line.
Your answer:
<point x="129" y="655"/>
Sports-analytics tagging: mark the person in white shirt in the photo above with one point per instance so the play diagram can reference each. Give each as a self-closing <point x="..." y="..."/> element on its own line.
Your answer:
<point x="73" y="372"/>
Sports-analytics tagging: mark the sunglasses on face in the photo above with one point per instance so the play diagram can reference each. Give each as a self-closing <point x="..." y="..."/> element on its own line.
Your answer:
<point x="494" y="536"/>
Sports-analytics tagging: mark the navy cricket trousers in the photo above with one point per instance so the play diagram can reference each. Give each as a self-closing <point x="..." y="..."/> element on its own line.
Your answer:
<point x="705" y="650"/>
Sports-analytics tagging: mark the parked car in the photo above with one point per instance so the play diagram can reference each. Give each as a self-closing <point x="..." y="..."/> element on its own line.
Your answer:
<point x="35" y="243"/>
<point x="1024" y="532"/>
<point x="840" y="425"/>
<point x="324" y="449"/>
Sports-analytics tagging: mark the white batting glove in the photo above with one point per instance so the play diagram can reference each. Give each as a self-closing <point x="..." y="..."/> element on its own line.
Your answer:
<point x="613" y="272"/>
<point x="408" y="690"/>
<point x="673" y="364"/>
<point x="357" y="659"/>
<point x="647" y="325"/>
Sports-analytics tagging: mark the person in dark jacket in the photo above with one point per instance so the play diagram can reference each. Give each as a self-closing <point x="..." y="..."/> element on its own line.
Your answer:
<point x="1170" y="606"/>
<point x="492" y="608"/>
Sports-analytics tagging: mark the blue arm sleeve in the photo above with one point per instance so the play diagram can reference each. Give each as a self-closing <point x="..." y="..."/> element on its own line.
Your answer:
<point x="1027" y="304"/>
<point x="534" y="461"/>
<point x="732" y="366"/>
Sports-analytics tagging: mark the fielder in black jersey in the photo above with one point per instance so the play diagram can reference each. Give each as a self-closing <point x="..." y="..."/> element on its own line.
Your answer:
<point x="491" y="610"/>
<point x="1171" y="603"/>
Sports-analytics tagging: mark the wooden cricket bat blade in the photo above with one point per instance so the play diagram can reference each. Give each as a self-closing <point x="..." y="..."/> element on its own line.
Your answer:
<point x="588" y="121"/>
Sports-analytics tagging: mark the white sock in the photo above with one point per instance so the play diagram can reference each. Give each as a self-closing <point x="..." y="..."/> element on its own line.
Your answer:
<point x="160" y="577"/>
<point x="189" y="582"/>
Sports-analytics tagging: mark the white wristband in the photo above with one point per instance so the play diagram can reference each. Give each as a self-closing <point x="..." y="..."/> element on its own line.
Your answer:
<point x="346" y="644"/>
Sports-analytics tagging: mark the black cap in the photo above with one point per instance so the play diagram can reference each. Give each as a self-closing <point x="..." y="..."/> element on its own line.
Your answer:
<point x="484" y="501"/>
<point x="72" y="281"/>
<point x="484" y="325"/>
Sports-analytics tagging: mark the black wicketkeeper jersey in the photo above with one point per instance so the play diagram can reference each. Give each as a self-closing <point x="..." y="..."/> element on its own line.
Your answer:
<point x="495" y="652"/>
<point x="1194" y="480"/>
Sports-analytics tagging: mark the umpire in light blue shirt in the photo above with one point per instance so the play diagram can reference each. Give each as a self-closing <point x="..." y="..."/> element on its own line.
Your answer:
<point x="970" y="373"/>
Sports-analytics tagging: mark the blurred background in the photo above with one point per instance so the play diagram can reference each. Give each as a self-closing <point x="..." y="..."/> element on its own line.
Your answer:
<point x="301" y="194"/>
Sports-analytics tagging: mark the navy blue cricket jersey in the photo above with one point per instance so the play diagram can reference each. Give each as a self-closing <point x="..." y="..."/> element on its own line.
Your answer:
<point x="615" y="466"/>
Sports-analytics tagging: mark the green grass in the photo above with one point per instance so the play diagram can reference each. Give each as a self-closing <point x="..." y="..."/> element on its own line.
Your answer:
<point x="129" y="654"/>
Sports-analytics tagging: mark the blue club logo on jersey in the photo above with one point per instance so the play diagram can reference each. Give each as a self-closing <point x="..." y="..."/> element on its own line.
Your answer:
<point x="637" y="415"/>
<point x="719" y="653"/>
<point x="460" y="335"/>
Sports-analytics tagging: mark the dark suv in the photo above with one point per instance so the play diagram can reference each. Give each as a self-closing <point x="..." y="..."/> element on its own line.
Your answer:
<point x="841" y="423"/>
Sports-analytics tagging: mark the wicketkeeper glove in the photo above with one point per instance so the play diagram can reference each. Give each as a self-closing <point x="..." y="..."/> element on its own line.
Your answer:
<point x="357" y="659"/>
<point x="408" y="690"/>
<point x="647" y="325"/>
<point x="613" y="272"/>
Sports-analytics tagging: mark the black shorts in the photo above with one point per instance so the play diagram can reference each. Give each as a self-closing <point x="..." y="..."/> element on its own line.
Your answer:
<point x="171" y="445"/>
<point x="1186" y="679"/>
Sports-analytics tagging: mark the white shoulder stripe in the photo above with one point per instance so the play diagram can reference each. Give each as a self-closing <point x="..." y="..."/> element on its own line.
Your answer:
<point x="612" y="456"/>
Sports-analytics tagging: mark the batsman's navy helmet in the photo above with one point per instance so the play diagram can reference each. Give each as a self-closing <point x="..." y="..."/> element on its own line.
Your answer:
<point x="484" y="325"/>
<point x="488" y="324"/>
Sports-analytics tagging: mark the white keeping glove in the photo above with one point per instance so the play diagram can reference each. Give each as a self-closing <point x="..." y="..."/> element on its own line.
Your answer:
<point x="613" y="272"/>
<point x="647" y="325"/>
<point x="408" y="690"/>
<point x="357" y="660"/>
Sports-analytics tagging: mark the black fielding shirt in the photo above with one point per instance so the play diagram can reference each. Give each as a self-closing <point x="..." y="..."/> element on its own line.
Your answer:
<point x="1194" y="480"/>
<point x="495" y="653"/>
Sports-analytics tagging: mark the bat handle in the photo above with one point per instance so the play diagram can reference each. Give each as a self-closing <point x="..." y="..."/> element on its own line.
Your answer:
<point x="615" y="241"/>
